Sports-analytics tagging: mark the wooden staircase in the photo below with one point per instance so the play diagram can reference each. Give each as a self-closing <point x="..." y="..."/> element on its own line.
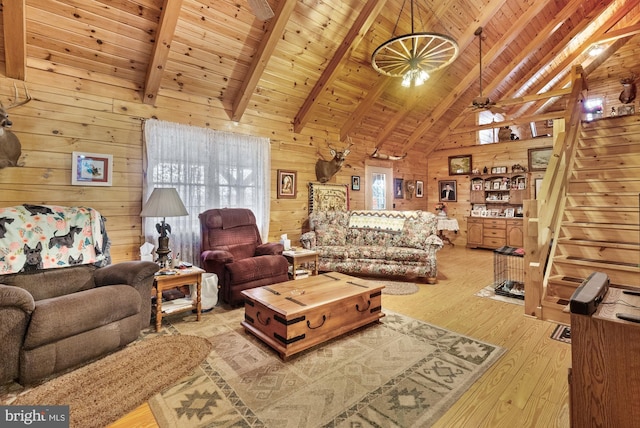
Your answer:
<point x="599" y="230"/>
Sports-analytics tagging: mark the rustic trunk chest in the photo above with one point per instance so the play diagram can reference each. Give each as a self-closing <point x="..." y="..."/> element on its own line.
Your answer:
<point x="295" y="315"/>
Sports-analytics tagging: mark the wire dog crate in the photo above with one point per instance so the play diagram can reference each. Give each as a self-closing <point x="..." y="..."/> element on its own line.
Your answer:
<point x="508" y="272"/>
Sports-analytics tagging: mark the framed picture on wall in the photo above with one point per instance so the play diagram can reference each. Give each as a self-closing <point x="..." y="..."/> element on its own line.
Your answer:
<point x="287" y="184"/>
<point x="447" y="189"/>
<point x="419" y="189"/>
<point x="539" y="158"/>
<point x="355" y="182"/>
<point x="91" y="169"/>
<point x="459" y="165"/>
<point x="398" y="188"/>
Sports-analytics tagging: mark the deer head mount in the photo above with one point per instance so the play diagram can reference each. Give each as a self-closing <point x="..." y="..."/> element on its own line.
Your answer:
<point x="628" y="93"/>
<point x="10" y="148"/>
<point x="327" y="169"/>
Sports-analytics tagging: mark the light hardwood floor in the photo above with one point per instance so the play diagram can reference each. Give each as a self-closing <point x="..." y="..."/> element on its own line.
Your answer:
<point x="527" y="387"/>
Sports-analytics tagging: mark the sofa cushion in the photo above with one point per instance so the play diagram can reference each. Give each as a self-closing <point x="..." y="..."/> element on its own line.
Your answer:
<point x="65" y="316"/>
<point x="405" y="254"/>
<point x="331" y="234"/>
<point x="48" y="283"/>
<point x="371" y="252"/>
<point x="414" y="235"/>
<point x="337" y="252"/>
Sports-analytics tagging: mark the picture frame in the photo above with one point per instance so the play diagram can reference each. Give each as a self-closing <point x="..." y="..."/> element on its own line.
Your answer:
<point x="91" y="169"/>
<point x="626" y="109"/>
<point x="460" y="165"/>
<point x="419" y="189"/>
<point x="398" y="188"/>
<point x="539" y="158"/>
<point x="287" y="184"/>
<point x="355" y="182"/>
<point x="537" y="187"/>
<point x="447" y="191"/>
<point x="509" y="212"/>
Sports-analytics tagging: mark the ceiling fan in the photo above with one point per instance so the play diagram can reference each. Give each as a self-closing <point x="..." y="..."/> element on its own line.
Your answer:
<point x="481" y="102"/>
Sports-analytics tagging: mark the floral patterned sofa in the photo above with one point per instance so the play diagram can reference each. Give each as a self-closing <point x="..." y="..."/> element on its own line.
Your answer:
<point x="377" y="243"/>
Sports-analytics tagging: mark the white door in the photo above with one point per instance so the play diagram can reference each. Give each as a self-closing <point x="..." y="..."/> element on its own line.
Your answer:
<point x="379" y="188"/>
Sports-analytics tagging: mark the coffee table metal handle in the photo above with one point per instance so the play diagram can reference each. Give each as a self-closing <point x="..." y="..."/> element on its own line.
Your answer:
<point x="263" y="322"/>
<point x="324" y="318"/>
<point x="363" y="310"/>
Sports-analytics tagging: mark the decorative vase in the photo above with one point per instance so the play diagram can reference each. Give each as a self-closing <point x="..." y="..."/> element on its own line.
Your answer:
<point x="442" y="213"/>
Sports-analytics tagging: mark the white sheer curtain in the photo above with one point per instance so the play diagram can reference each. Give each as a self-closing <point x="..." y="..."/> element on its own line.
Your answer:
<point x="210" y="169"/>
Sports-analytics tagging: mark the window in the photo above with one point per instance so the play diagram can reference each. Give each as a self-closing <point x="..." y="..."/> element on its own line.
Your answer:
<point x="209" y="169"/>
<point x="488" y="136"/>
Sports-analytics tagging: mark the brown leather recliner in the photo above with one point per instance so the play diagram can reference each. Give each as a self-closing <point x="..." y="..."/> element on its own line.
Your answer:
<point x="231" y="248"/>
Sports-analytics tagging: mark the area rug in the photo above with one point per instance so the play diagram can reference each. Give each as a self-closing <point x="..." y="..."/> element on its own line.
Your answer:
<point x="562" y="333"/>
<point x="490" y="292"/>
<point x="398" y="288"/>
<point x="101" y="392"/>
<point x="397" y="372"/>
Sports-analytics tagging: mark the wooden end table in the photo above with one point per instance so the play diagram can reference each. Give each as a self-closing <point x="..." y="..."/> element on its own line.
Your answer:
<point x="298" y="257"/>
<point x="182" y="277"/>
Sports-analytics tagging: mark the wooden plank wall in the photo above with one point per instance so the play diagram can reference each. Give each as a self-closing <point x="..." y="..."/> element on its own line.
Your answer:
<point x="69" y="114"/>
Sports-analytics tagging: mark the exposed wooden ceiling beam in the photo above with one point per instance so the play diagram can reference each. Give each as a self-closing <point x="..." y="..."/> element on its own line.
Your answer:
<point x="362" y="109"/>
<point x="511" y="122"/>
<point x="161" y="47"/>
<point x="272" y="36"/>
<point x="564" y="67"/>
<point x="15" y="38"/>
<point x="353" y="38"/>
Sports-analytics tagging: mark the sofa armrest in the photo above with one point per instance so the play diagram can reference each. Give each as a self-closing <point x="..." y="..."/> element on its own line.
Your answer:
<point x="16" y="297"/>
<point x="269" y="249"/>
<point x="138" y="274"/>
<point x="308" y="240"/>
<point x="216" y="256"/>
<point x="16" y="306"/>
<point x="434" y="240"/>
<point x="131" y="273"/>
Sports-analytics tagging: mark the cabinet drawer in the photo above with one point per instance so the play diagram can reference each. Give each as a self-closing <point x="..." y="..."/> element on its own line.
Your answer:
<point x="494" y="242"/>
<point x="514" y="222"/>
<point x="494" y="223"/>
<point x="494" y="233"/>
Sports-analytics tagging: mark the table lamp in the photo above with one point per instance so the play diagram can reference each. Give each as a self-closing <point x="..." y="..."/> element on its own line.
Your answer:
<point x="163" y="202"/>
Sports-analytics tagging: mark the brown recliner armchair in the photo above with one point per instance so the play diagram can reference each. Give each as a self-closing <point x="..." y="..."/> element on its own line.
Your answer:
<point x="231" y="248"/>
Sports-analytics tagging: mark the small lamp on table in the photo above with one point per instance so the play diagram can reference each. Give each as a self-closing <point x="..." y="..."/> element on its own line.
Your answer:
<point x="164" y="202"/>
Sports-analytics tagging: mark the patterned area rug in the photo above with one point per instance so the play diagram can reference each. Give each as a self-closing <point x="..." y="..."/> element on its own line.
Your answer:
<point x="562" y="333"/>
<point x="399" y="372"/>
<point x="490" y="292"/>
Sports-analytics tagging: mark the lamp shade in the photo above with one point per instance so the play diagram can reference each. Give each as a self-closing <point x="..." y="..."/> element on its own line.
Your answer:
<point x="164" y="202"/>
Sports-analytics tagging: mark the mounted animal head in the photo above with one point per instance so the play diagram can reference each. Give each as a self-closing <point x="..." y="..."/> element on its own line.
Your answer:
<point x="10" y="148"/>
<point x="327" y="169"/>
<point x="628" y="93"/>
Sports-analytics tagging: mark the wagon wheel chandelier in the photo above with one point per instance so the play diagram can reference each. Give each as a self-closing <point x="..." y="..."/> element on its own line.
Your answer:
<point x="413" y="56"/>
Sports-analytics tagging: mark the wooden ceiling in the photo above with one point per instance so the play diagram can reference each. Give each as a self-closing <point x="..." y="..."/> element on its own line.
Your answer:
<point x="311" y="63"/>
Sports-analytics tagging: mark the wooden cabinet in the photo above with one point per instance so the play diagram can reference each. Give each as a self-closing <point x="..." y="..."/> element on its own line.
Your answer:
<point x="489" y="232"/>
<point x="514" y="233"/>
<point x="474" y="232"/>
<point x="604" y="380"/>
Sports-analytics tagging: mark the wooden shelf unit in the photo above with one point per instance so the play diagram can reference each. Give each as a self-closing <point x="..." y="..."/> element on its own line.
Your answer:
<point x="499" y="191"/>
<point x="494" y="232"/>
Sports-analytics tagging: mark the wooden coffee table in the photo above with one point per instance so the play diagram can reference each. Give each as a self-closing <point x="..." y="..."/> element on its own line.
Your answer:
<point x="295" y="315"/>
